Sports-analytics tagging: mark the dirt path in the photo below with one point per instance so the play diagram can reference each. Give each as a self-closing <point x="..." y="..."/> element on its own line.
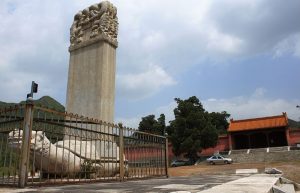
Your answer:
<point x="291" y="170"/>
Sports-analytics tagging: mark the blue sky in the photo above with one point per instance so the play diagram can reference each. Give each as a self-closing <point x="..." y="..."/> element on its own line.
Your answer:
<point x="238" y="56"/>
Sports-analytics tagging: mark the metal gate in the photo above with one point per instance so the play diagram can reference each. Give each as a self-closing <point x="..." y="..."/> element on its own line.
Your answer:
<point x="42" y="146"/>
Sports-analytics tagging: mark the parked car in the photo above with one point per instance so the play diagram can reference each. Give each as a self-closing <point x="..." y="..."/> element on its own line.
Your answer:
<point x="177" y="163"/>
<point x="218" y="159"/>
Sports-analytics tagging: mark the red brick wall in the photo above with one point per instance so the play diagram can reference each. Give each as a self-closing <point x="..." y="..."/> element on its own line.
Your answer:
<point x="222" y="145"/>
<point x="294" y="137"/>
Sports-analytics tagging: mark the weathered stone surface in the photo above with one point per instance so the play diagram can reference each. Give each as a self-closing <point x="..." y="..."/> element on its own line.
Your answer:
<point x="69" y="156"/>
<point x="91" y="78"/>
<point x="97" y="22"/>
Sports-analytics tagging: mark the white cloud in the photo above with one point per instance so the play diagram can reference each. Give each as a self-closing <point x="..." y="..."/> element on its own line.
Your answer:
<point x="240" y="107"/>
<point x="255" y="105"/>
<point x="33" y="47"/>
<point x="172" y="35"/>
<point x="153" y="41"/>
<point x="223" y="43"/>
<point x="291" y="44"/>
<point x="167" y="110"/>
<point x="144" y="84"/>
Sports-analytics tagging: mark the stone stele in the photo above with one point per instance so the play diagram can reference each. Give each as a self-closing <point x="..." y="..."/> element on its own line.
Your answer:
<point x="91" y="79"/>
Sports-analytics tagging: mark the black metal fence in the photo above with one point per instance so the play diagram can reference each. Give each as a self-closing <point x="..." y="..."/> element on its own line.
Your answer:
<point x="43" y="146"/>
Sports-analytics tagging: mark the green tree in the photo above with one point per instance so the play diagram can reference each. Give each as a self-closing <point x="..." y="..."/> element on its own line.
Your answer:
<point x="192" y="129"/>
<point x="220" y="121"/>
<point x="151" y="125"/>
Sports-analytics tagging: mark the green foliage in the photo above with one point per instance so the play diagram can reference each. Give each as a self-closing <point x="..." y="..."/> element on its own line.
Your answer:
<point x="8" y="157"/>
<point x="192" y="129"/>
<point x="151" y="125"/>
<point x="294" y="124"/>
<point x="220" y="121"/>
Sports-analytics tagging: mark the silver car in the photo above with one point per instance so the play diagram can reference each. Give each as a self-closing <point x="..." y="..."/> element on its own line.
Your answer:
<point x="218" y="159"/>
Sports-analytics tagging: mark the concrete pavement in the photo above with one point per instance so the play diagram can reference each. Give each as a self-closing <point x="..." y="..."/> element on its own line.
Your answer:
<point x="259" y="183"/>
<point x="202" y="184"/>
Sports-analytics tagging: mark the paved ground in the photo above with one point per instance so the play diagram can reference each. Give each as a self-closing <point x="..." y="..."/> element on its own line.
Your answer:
<point x="191" y="184"/>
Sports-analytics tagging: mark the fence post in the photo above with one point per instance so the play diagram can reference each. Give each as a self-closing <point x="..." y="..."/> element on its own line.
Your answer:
<point x="121" y="152"/>
<point x="166" y="155"/>
<point x="25" y="149"/>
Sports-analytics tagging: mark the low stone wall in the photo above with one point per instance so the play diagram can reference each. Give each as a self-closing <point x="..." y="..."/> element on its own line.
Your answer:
<point x="266" y="157"/>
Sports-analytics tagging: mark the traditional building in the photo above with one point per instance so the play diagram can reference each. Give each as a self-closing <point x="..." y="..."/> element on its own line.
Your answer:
<point x="259" y="132"/>
<point x="272" y="131"/>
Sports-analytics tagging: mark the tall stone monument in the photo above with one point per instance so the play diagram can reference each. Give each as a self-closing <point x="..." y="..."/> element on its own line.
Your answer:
<point x="91" y="81"/>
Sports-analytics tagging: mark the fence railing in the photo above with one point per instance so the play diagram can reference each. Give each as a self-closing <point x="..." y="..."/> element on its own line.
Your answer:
<point x="43" y="146"/>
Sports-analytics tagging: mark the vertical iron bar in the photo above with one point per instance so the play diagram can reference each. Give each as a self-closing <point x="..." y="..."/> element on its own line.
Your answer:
<point x="26" y="138"/>
<point x="166" y="157"/>
<point x="91" y="148"/>
<point x="85" y="153"/>
<point x="121" y="153"/>
<point x="55" y="175"/>
<point x="41" y="165"/>
<point x="5" y="154"/>
<point x="80" y="146"/>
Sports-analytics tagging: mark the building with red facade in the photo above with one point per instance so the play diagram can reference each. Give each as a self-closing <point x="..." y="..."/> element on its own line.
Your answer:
<point x="259" y="132"/>
<point x="271" y="131"/>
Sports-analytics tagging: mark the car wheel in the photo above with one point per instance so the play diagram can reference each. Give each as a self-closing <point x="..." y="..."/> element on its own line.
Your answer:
<point x="226" y="162"/>
<point x="212" y="163"/>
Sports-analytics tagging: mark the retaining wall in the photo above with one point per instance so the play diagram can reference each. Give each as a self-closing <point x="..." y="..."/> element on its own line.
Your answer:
<point x="257" y="157"/>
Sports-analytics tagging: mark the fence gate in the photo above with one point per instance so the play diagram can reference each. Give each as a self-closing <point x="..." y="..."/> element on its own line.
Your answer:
<point x="42" y="146"/>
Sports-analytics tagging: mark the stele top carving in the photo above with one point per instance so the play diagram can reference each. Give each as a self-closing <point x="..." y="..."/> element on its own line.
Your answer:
<point x="97" y="22"/>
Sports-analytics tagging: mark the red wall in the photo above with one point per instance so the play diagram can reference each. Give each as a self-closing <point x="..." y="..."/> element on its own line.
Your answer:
<point x="294" y="137"/>
<point x="222" y="145"/>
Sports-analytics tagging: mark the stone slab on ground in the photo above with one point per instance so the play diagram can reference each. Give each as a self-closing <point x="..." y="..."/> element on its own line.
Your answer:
<point x="284" y="188"/>
<point x="246" y="171"/>
<point x="259" y="183"/>
<point x="185" y="187"/>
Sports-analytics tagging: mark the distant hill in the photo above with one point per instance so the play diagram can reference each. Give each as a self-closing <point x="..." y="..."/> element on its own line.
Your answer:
<point x="294" y="124"/>
<point x="45" y="101"/>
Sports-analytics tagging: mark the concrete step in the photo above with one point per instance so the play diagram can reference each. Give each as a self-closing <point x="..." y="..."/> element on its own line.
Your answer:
<point x="240" y="151"/>
<point x="278" y="149"/>
<point x="264" y="150"/>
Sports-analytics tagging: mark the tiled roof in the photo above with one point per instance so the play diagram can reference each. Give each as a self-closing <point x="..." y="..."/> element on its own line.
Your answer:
<point x="258" y="123"/>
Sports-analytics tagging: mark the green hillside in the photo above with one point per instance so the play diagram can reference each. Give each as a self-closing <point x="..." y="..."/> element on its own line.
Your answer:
<point x="45" y="101"/>
<point x="294" y="124"/>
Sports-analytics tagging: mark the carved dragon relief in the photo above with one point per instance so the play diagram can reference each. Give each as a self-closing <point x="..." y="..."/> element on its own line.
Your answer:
<point x="96" y="20"/>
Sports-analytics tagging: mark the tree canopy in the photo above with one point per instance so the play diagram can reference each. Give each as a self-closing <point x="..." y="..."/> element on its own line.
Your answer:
<point x="193" y="129"/>
<point x="220" y="121"/>
<point x="151" y="125"/>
